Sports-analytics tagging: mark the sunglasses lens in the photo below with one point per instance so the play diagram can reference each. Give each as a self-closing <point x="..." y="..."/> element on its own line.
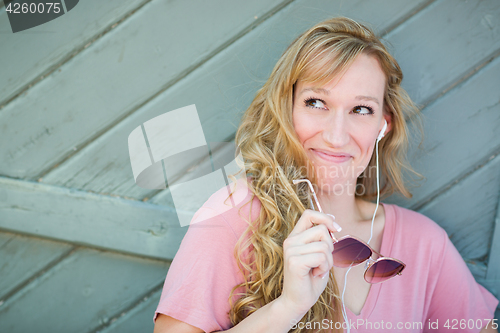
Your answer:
<point x="349" y="252"/>
<point x="383" y="270"/>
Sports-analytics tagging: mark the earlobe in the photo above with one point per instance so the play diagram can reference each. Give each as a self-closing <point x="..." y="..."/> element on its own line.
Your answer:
<point x="388" y="119"/>
<point x="382" y="132"/>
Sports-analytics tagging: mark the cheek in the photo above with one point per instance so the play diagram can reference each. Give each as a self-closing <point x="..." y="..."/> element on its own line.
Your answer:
<point x="303" y="126"/>
<point x="367" y="146"/>
<point x="364" y="140"/>
<point x="367" y="143"/>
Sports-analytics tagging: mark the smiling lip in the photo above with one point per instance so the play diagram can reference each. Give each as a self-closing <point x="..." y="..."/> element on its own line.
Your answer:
<point x="330" y="157"/>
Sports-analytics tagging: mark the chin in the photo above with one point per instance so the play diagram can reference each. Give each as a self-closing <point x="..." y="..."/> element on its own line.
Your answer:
<point x="335" y="185"/>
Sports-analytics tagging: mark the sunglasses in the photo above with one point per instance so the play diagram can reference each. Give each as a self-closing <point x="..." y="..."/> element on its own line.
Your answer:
<point x="351" y="251"/>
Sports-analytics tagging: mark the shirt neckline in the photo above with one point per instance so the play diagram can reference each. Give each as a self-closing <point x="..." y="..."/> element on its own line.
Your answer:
<point x="385" y="249"/>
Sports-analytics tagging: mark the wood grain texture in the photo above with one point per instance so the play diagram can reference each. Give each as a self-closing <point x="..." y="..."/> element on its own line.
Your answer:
<point x="442" y="43"/>
<point x="89" y="219"/>
<point x="156" y="61"/>
<point x="21" y="257"/>
<point x="139" y="319"/>
<point x="467" y="210"/>
<point x="221" y="89"/>
<point x="493" y="272"/>
<point x="81" y="293"/>
<point x="461" y="129"/>
<point x="38" y="51"/>
<point x="133" y="62"/>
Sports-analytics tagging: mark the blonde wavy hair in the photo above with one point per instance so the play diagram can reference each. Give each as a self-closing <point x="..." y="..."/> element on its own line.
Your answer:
<point x="273" y="157"/>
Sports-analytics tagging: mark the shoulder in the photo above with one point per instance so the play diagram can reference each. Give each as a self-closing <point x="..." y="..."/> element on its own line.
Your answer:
<point x="415" y="223"/>
<point x="217" y="226"/>
<point x="414" y="236"/>
<point x="232" y="206"/>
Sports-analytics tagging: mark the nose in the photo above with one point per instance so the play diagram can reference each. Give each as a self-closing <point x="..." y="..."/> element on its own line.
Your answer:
<point x="335" y="130"/>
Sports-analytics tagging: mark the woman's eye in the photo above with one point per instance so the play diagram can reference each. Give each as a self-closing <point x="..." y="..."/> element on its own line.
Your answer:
<point x="363" y="110"/>
<point x="315" y="103"/>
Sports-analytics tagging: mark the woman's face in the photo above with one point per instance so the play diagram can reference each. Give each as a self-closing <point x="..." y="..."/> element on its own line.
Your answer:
<point x="338" y="122"/>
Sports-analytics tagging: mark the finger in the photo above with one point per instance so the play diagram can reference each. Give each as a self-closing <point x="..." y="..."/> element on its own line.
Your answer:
<point x="317" y="233"/>
<point x="315" y="247"/>
<point x="335" y="224"/>
<point x="307" y="248"/>
<point x="317" y="272"/>
<point x="310" y="217"/>
<point x="304" y="263"/>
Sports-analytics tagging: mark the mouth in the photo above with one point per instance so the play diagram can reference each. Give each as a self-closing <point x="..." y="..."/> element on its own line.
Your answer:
<point x="331" y="157"/>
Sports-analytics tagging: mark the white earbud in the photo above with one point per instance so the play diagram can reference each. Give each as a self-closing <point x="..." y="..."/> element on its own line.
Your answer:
<point x="380" y="136"/>
<point x="382" y="132"/>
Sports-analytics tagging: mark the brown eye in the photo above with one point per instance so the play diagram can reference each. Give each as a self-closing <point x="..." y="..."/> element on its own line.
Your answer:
<point x="360" y="109"/>
<point x="315" y="103"/>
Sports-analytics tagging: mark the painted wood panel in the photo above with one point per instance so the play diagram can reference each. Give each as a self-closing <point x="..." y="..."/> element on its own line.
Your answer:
<point x="36" y="52"/>
<point x="89" y="219"/>
<point x="493" y="273"/>
<point x="221" y="89"/>
<point x="440" y="45"/>
<point x="440" y="48"/>
<point x="467" y="211"/>
<point x="22" y="257"/>
<point x="462" y="128"/>
<point x="139" y="319"/>
<point x="134" y="61"/>
<point x="91" y="287"/>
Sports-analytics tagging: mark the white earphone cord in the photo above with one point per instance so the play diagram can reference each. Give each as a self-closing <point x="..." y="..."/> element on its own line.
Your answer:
<point x="344" y="313"/>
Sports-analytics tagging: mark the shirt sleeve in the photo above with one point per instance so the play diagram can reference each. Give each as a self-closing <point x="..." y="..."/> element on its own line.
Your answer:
<point x="458" y="301"/>
<point x="201" y="276"/>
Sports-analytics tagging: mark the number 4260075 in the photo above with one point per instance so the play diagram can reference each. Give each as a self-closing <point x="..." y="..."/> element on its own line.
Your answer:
<point x="41" y="7"/>
<point x="455" y="324"/>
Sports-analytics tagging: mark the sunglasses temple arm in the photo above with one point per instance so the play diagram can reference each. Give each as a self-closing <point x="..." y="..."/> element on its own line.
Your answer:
<point x="296" y="181"/>
<point x="377" y="253"/>
<point x="316" y="198"/>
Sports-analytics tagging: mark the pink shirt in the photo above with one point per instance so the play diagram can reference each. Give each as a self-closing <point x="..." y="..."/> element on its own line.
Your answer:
<point x="435" y="288"/>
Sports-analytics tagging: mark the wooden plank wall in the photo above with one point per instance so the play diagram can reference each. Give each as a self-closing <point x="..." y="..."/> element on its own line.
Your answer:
<point x="84" y="249"/>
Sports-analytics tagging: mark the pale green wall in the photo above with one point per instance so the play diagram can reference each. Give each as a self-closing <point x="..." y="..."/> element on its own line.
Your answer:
<point x="84" y="249"/>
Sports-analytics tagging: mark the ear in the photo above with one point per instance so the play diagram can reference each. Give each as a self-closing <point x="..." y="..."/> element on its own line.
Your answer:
<point x="388" y="117"/>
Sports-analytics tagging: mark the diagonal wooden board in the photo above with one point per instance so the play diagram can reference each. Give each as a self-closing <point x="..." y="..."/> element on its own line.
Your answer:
<point x="31" y="58"/>
<point x="114" y="76"/>
<point x="89" y="219"/>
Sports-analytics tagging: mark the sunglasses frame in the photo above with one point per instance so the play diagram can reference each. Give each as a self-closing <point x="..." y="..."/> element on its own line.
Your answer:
<point x="369" y="262"/>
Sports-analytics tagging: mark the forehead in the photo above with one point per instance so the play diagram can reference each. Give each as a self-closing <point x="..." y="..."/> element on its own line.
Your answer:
<point x="363" y="75"/>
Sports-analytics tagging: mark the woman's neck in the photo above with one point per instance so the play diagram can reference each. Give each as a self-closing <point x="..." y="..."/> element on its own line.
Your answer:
<point x="348" y="210"/>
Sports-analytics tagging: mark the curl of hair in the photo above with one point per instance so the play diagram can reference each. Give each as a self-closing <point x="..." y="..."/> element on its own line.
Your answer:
<point x="273" y="157"/>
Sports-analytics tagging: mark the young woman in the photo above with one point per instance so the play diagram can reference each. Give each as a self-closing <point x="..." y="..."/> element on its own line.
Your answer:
<point x="279" y="261"/>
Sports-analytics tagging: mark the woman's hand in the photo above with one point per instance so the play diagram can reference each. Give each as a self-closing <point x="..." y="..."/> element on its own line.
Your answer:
<point x="308" y="260"/>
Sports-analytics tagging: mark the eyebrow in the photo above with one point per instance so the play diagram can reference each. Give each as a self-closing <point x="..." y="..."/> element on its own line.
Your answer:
<point x="326" y="92"/>
<point x="368" y="98"/>
<point x="316" y="90"/>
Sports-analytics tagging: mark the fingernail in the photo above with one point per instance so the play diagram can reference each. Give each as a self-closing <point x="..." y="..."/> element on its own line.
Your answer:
<point x="335" y="224"/>
<point x="324" y="275"/>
